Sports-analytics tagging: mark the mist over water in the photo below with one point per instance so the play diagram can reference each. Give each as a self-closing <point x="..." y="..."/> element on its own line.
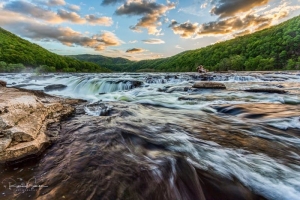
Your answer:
<point x="153" y="136"/>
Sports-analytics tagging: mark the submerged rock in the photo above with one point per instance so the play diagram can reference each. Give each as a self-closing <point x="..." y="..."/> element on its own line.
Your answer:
<point x="40" y="77"/>
<point x="24" y="120"/>
<point x="177" y="89"/>
<point x="2" y="83"/>
<point x="97" y="109"/>
<point x="268" y="90"/>
<point x="209" y="85"/>
<point x="54" y="87"/>
<point x="131" y="83"/>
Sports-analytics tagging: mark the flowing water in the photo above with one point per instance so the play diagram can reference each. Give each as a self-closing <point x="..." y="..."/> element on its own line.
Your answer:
<point x="153" y="136"/>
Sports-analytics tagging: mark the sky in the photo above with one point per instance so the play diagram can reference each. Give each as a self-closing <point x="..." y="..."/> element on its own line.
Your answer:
<point x="138" y="29"/>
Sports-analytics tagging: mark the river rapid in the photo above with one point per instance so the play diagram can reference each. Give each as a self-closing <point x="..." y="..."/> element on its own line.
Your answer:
<point x="154" y="136"/>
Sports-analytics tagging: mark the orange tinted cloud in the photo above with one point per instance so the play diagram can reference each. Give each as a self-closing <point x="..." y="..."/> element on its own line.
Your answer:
<point x="150" y="11"/>
<point x="39" y="13"/>
<point x="185" y="30"/>
<point x="135" y="50"/>
<point x="226" y="8"/>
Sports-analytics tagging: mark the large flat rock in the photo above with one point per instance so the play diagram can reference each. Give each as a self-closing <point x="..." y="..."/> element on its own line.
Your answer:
<point x="24" y="117"/>
<point x="209" y="85"/>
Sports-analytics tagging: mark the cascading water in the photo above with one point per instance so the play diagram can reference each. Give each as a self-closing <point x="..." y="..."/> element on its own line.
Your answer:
<point x="154" y="136"/>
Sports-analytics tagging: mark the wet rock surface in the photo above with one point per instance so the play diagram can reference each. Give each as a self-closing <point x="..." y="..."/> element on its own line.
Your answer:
<point x="24" y="119"/>
<point x="177" y="89"/>
<point x="209" y="85"/>
<point x="268" y="90"/>
<point x="53" y="87"/>
<point x="131" y="83"/>
<point x="96" y="109"/>
<point x="40" y="77"/>
<point x="2" y="83"/>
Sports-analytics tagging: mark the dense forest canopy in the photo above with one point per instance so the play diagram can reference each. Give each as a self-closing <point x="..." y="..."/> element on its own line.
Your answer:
<point x="17" y="54"/>
<point x="275" y="48"/>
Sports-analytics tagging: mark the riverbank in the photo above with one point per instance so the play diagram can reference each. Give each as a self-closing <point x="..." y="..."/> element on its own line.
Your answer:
<point x="24" y="118"/>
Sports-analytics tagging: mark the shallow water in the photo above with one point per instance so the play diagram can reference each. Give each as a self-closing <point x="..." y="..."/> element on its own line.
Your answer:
<point x="159" y="138"/>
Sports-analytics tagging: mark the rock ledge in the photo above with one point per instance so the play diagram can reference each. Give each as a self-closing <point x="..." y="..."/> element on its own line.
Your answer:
<point x="24" y="117"/>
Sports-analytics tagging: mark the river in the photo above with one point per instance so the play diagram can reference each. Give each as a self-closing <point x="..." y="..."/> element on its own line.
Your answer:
<point x="154" y="136"/>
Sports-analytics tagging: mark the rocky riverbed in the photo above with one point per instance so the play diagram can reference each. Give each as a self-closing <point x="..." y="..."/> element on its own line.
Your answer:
<point x="24" y="118"/>
<point x="152" y="136"/>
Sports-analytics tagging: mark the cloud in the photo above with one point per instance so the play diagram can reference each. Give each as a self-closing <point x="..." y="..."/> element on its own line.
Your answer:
<point x="173" y="23"/>
<point x="56" y="3"/>
<point x="233" y="24"/>
<point x="105" y="21"/>
<point x="135" y="50"/>
<point x="241" y="24"/>
<point x="69" y="37"/>
<point x="178" y="47"/>
<point x="227" y="8"/>
<point x="70" y="16"/>
<point x="30" y="9"/>
<point x="204" y="5"/>
<point x="236" y="25"/>
<point x="185" y="30"/>
<point x="39" y="13"/>
<point x="108" y="2"/>
<point x="153" y="41"/>
<point x="150" y="11"/>
<point x="33" y="29"/>
<point x="241" y="33"/>
<point x="132" y="41"/>
<point x="73" y="8"/>
<point x="145" y="55"/>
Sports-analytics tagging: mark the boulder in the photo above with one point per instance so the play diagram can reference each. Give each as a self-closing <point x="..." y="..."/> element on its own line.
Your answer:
<point x="53" y="87"/>
<point x="2" y="83"/>
<point x="24" y="119"/>
<point x="209" y="85"/>
<point x="267" y="90"/>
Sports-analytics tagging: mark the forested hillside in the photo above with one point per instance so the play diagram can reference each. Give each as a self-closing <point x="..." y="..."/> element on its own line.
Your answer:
<point x="275" y="48"/>
<point x="17" y="54"/>
<point x="115" y="64"/>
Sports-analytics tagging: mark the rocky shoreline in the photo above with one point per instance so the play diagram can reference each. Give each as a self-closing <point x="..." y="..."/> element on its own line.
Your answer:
<point x="24" y="118"/>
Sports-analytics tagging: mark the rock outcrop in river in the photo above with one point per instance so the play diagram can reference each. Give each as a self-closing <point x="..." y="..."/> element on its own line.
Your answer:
<point x="24" y="117"/>
<point x="209" y="85"/>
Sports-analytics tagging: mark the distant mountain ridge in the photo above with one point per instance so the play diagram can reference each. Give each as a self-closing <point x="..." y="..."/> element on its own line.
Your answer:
<point x="275" y="48"/>
<point x="16" y="54"/>
<point x="114" y="64"/>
